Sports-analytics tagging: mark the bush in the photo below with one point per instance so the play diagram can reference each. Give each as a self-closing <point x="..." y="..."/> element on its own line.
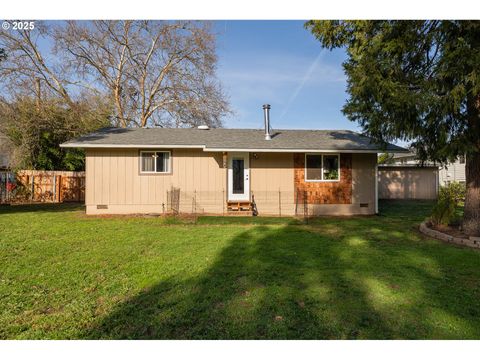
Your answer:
<point x="20" y="193"/>
<point x="449" y="197"/>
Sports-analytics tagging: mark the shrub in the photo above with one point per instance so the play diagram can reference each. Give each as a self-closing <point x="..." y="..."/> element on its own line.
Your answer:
<point x="20" y="193"/>
<point x="449" y="197"/>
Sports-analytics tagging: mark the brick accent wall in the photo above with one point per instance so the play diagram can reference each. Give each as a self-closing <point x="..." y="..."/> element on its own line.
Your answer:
<point x="338" y="192"/>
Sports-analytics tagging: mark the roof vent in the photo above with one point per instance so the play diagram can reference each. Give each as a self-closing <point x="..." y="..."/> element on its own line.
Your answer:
<point x="203" y="127"/>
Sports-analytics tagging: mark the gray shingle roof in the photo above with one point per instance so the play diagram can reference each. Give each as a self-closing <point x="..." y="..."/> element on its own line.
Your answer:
<point x="229" y="139"/>
<point x="404" y="155"/>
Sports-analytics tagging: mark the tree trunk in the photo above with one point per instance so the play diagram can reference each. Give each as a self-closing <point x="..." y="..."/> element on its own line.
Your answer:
<point x="471" y="216"/>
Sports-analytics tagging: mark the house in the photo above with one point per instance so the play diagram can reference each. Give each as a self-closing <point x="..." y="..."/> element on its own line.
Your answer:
<point x="451" y="172"/>
<point x="215" y="171"/>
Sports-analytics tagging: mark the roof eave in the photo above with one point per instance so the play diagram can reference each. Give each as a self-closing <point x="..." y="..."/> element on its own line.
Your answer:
<point x="223" y="149"/>
<point x="128" y="146"/>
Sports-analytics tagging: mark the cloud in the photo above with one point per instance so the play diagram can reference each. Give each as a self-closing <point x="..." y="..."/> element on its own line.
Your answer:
<point x="272" y="76"/>
<point x="253" y="79"/>
<point x="277" y="69"/>
<point x="306" y="77"/>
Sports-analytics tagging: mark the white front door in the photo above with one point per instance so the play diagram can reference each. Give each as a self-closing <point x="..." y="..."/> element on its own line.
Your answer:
<point x="238" y="177"/>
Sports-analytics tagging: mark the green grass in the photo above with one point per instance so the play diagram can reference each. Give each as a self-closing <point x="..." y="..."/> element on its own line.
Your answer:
<point x="66" y="275"/>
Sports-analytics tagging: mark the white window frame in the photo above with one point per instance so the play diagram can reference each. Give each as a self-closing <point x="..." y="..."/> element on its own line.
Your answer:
<point x="155" y="163"/>
<point x="322" y="155"/>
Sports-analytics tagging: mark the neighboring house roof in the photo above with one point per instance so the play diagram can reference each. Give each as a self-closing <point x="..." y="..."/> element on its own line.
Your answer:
<point x="400" y="166"/>
<point x="404" y="155"/>
<point x="232" y="139"/>
<point x="410" y="159"/>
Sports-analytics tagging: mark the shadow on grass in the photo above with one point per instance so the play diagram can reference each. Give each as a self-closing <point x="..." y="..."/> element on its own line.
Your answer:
<point x="303" y="282"/>
<point x="40" y="207"/>
<point x="248" y="220"/>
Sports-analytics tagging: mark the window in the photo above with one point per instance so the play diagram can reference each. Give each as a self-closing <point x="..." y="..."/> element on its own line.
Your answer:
<point x="155" y="161"/>
<point x="314" y="167"/>
<point x="461" y="159"/>
<point x="330" y="167"/>
<point x="322" y="167"/>
<point x="237" y="176"/>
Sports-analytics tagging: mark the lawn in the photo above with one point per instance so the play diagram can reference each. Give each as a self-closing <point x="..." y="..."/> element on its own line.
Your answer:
<point x="66" y="275"/>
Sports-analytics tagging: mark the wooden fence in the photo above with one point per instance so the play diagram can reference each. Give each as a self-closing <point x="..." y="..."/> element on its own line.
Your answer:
<point x="44" y="186"/>
<point x="407" y="182"/>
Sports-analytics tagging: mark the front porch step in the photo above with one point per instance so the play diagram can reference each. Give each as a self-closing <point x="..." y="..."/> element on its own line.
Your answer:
<point x="239" y="206"/>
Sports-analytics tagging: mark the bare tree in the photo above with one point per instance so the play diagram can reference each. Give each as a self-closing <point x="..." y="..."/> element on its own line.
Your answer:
<point x="153" y="72"/>
<point x="27" y="67"/>
<point x="3" y="54"/>
<point x="156" y="72"/>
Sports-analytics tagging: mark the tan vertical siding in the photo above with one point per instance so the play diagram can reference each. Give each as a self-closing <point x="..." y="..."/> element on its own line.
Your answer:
<point x="271" y="177"/>
<point x="89" y="180"/>
<point x="364" y="179"/>
<point x="113" y="179"/>
<point x="98" y="179"/>
<point x="121" y="181"/>
<point x="129" y="181"/>
<point x="137" y="180"/>
<point x="407" y="182"/>
<point x="106" y="176"/>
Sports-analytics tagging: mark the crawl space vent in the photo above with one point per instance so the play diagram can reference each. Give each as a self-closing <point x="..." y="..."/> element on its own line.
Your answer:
<point x="363" y="204"/>
<point x="102" y="206"/>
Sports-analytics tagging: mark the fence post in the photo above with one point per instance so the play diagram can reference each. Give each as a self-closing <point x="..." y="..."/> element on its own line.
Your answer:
<point x="279" y="203"/>
<point x="60" y="188"/>
<point x="168" y="200"/>
<point x="79" y="190"/>
<point x="195" y="206"/>
<point x="33" y="188"/>
<point x="54" y="188"/>
<point x="7" y="198"/>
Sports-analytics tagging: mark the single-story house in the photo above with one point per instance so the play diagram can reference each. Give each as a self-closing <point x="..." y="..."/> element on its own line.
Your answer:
<point x="215" y="171"/>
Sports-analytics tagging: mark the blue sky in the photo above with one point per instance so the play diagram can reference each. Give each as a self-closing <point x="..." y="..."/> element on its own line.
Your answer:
<point x="280" y="63"/>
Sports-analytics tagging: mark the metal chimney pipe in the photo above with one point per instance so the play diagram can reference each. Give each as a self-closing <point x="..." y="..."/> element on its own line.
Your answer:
<point x="266" y="114"/>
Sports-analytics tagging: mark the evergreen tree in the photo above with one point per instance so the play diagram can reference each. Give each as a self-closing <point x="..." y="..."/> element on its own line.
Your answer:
<point x="417" y="81"/>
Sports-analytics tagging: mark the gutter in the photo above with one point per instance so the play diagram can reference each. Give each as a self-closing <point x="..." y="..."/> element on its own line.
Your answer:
<point x="207" y="149"/>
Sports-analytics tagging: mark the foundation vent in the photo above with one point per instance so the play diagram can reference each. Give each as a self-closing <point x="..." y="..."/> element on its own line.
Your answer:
<point x="102" y="207"/>
<point x="364" y="205"/>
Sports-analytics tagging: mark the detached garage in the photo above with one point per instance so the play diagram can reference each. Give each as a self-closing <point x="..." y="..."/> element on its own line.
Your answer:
<point x="407" y="182"/>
